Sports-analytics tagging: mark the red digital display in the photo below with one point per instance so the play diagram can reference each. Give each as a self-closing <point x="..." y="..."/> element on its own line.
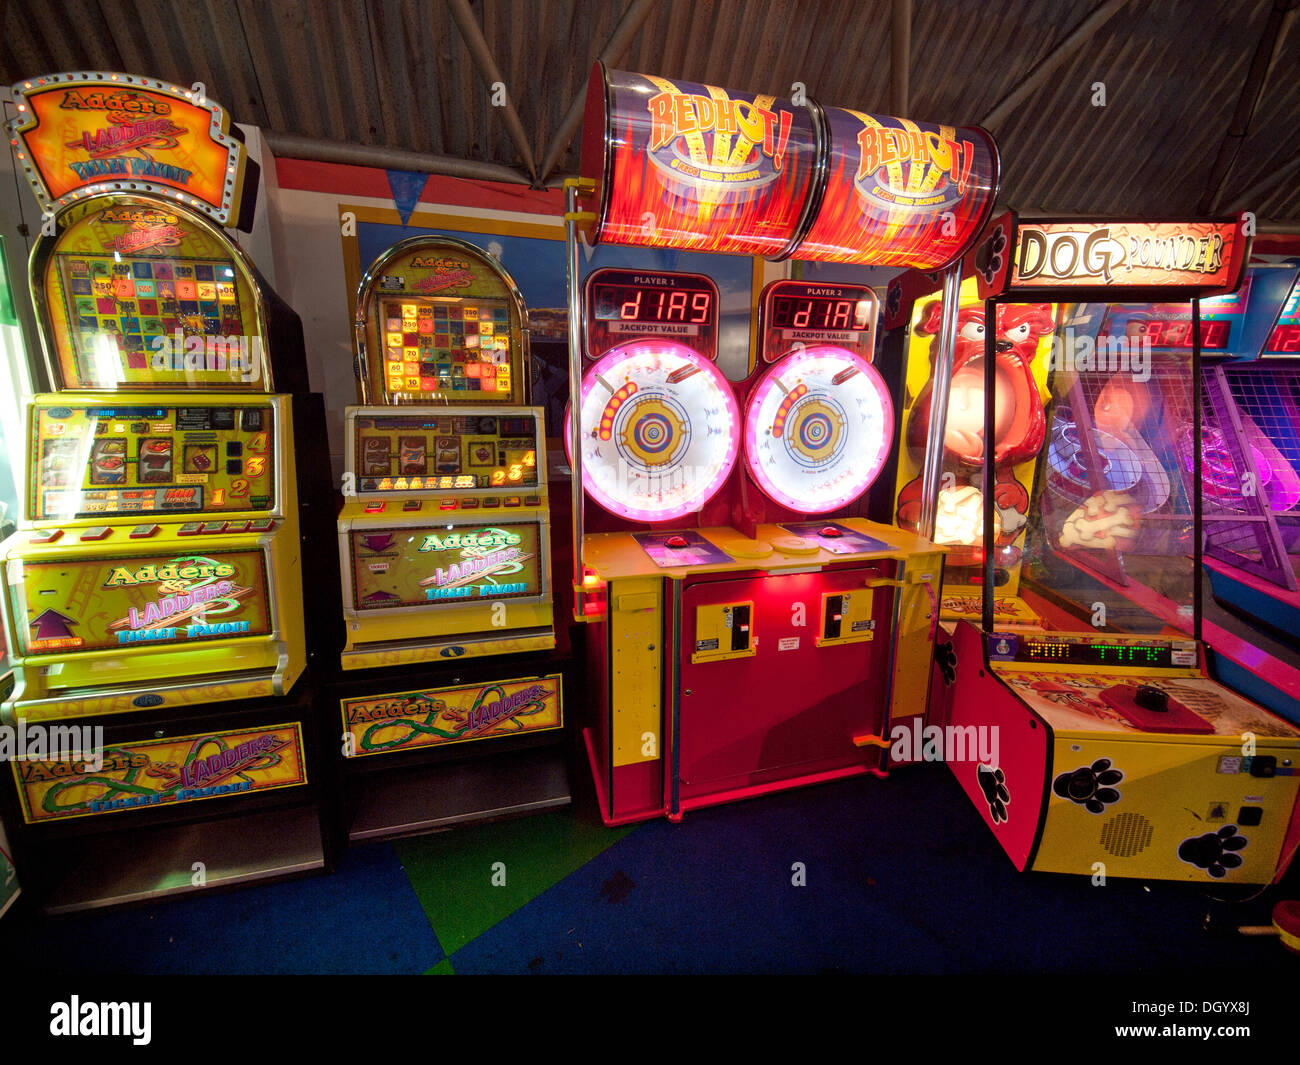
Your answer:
<point x="1284" y="340"/>
<point x="790" y="312"/>
<point x="640" y="303"/>
<point x="1177" y="333"/>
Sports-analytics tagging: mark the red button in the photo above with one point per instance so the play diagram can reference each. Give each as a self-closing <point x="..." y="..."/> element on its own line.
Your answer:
<point x="47" y="537"/>
<point x="677" y="541"/>
<point x="141" y="532"/>
<point x="99" y="532"/>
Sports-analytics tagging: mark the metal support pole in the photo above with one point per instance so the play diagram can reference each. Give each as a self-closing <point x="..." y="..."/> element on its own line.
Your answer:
<point x="575" y="384"/>
<point x="933" y="468"/>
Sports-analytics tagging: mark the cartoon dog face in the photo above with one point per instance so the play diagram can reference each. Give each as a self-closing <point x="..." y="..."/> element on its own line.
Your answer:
<point x="1019" y="424"/>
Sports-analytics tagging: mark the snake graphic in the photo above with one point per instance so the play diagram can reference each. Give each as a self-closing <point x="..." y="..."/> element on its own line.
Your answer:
<point x="114" y="788"/>
<point x="427" y="727"/>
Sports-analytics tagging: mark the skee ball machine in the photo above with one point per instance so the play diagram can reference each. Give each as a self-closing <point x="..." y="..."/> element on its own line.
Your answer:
<point x="153" y="593"/>
<point x="1119" y="756"/>
<point x="452" y="702"/>
<point x="747" y="630"/>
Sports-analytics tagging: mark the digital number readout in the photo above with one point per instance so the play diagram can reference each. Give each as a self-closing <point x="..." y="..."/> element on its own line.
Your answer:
<point x="791" y="312"/>
<point x="1097" y="654"/>
<point x="635" y="303"/>
<point x="1284" y="340"/>
<point x="1177" y="333"/>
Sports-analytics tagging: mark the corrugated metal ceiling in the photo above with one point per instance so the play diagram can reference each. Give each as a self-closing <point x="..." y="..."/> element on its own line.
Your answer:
<point x="399" y="74"/>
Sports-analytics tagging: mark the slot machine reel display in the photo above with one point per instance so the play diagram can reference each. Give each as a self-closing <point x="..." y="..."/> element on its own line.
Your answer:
<point x="1116" y="749"/>
<point x="154" y="585"/>
<point x="747" y="630"/>
<point x="445" y="553"/>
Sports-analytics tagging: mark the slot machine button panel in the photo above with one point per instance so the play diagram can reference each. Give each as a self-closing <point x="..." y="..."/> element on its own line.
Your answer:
<point x="212" y="527"/>
<point x="375" y="508"/>
<point x="469" y="504"/>
<point x="265" y="524"/>
<point x="532" y="501"/>
<point x="143" y="532"/>
<point x="491" y="503"/>
<point x="447" y="504"/>
<point x="511" y="501"/>
<point x="190" y="528"/>
<point x="236" y="526"/>
<point x="98" y="532"/>
<point x="49" y="536"/>
<point x="413" y="504"/>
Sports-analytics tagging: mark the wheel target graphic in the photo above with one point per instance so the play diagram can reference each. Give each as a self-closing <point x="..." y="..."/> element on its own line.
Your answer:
<point x="660" y="430"/>
<point x="817" y="429"/>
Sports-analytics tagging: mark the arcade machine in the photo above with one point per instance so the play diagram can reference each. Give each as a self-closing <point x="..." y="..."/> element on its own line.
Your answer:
<point x="452" y="693"/>
<point x="1248" y="486"/>
<point x="1023" y="343"/>
<point x="747" y="630"/>
<point x="14" y="392"/>
<point x="153" y="593"/>
<point x="1116" y="754"/>
<point x="1252" y="444"/>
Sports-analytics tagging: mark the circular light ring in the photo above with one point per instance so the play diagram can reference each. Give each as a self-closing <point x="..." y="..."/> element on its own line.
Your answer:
<point x="818" y="429"/>
<point x="660" y="430"/>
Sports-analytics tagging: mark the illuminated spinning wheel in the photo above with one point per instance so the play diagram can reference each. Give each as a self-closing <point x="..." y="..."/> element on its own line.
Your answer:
<point x="818" y="429"/>
<point x="661" y="430"/>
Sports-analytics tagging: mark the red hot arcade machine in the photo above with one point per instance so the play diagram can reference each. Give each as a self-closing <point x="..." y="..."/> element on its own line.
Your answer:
<point x="1117" y="754"/>
<point x="747" y="630"/>
<point x="154" y="588"/>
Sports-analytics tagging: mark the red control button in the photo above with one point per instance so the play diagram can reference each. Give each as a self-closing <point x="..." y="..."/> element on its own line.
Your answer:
<point x="261" y="525"/>
<point x="375" y="508"/>
<point x="236" y="526"/>
<point x="831" y="531"/>
<point x="190" y="528"/>
<point x="676" y="541"/>
<point x="46" y="537"/>
<point x="99" y="532"/>
<point x="447" y="504"/>
<point x="469" y="504"/>
<point x="212" y="527"/>
<point x="532" y="501"/>
<point x="512" y="501"/>
<point x="413" y="504"/>
<point x="142" y="532"/>
<point x="490" y="503"/>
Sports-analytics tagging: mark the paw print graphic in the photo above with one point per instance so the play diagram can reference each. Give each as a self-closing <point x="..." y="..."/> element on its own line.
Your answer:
<point x="1215" y="852"/>
<point x="993" y="783"/>
<point x="1090" y="786"/>
<point x="989" y="257"/>
<point x="945" y="657"/>
<point x="893" y="298"/>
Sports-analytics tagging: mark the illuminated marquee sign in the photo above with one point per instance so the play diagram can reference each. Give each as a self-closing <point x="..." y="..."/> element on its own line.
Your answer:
<point x="78" y="135"/>
<point x="1200" y="256"/>
<point x="93" y="604"/>
<point x="415" y="566"/>
<point x="404" y="721"/>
